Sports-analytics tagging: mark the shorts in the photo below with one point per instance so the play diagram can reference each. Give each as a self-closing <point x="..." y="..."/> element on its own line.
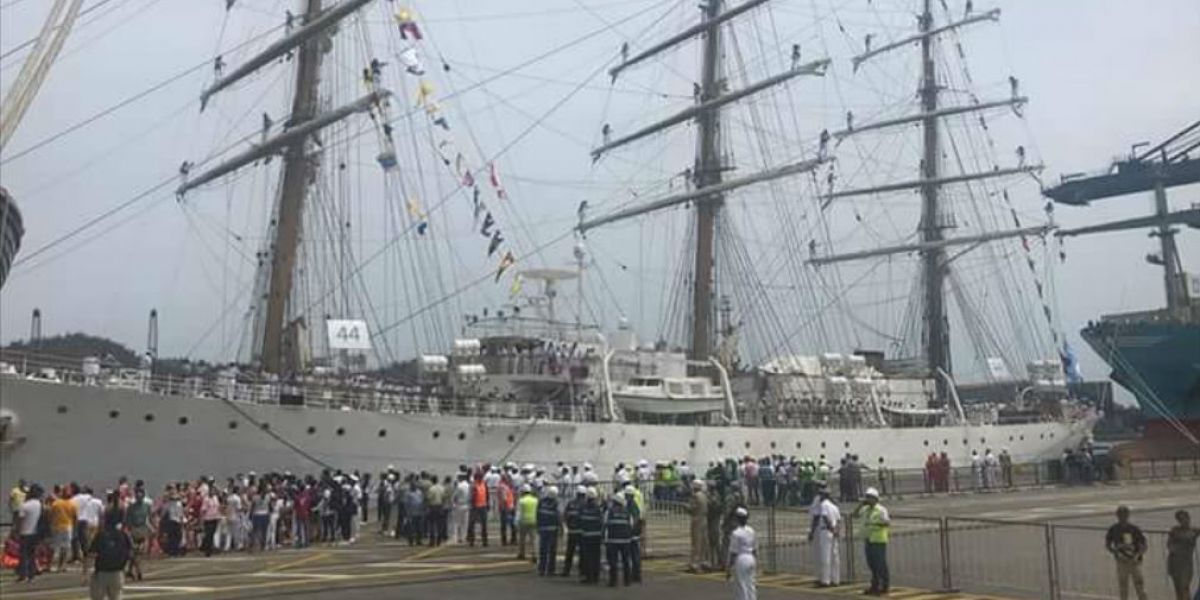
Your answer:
<point x="60" y="540"/>
<point x="139" y="534"/>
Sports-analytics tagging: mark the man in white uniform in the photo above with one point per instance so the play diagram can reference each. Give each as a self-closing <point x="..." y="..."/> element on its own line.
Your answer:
<point x="826" y="522"/>
<point x="742" y="563"/>
<point x="460" y="506"/>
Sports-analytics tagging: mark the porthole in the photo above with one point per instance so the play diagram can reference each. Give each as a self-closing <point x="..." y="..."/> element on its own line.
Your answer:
<point x="1010" y="438"/>
<point x="149" y="417"/>
<point x="311" y="430"/>
<point x="462" y="435"/>
<point x="382" y="433"/>
<point x="798" y="444"/>
<point x="437" y="434"/>
<point x="845" y="444"/>
<point x="112" y="414"/>
<point x="982" y="441"/>
<point x="822" y="445"/>
<point x="341" y="431"/>
<point x="926" y="443"/>
<point x="1041" y="436"/>
<point x="747" y="445"/>
<point x="691" y="443"/>
<point x="643" y="443"/>
<point x="183" y="420"/>
<point x="945" y="442"/>
<point x="965" y="441"/>
<point x="557" y="439"/>
<point x="264" y="426"/>
<point x="772" y="445"/>
<point x="1051" y="435"/>
<point x="233" y="425"/>
<point x="601" y="441"/>
<point x="511" y="438"/>
<point x="720" y="444"/>
<point x="1022" y="438"/>
<point x="62" y="410"/>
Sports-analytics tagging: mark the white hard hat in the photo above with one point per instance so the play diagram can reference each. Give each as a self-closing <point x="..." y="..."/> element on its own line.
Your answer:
<point x="741" y="512"/>
<point x="579" y="489"/>
<point x="619" y="499"/>
<point x="872" y="492"/>
<point x="591" y="492"/>
<point x="552" y="492"/>
<point x="587" y="466"/>
<point x="527" y="467"/>
<point x="525" y="489"/>
<point x="643" y="463"/>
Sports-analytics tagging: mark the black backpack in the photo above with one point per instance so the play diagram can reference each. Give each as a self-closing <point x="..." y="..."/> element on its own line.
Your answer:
<point x="43" y="525"/>
<point x="113" y="550"/>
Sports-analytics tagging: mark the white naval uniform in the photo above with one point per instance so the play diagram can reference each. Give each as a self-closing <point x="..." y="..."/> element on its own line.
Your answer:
<point x="828" y="554"/>
<point x="742" y="547"/>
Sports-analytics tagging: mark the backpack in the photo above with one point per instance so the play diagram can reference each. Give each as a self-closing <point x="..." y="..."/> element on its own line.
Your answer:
<point x="113" y="550"/>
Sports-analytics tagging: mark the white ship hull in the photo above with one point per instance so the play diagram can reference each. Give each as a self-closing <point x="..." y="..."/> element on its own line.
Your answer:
<point x="62" y="433"/>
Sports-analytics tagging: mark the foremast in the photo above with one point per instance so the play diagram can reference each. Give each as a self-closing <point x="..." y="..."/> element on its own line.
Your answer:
<point x="278" y="340"/>
<point x="710" y="187"/>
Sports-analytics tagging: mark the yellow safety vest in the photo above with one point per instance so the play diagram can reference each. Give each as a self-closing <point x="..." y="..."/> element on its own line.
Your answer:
<point x="877" y="530"/>
<point x="527" y="509"/>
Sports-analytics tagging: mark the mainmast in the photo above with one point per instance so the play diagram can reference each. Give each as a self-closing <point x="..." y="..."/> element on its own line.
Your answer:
<point x="709" y="186"/>
<point x="707" y="173"/>
<point x="932" y="244"/>
<point x="278" y="355"/>
<point x="279" y="351"/>
<point x="937" y="326"/>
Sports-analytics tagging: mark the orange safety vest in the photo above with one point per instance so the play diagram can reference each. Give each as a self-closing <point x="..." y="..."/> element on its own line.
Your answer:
<point x="479" y="498"/>
<point x="506" y="498"/>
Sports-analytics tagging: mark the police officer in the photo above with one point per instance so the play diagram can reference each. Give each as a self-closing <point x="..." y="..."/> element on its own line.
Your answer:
<point x="877" y="524"/>
<point x="571" y="520"/>
<point x="547" y="524"/>
<point x="637" y="521"/>
<point x="617" y="533"/>
<point x="591" y="531"/>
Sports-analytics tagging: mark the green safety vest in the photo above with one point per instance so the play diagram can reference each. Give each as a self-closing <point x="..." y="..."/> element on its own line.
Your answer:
<point x="877" y="530"/>
<point x="527" y="510"/>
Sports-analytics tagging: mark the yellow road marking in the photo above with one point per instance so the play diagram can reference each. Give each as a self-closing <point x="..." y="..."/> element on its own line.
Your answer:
<point x="298" y="562"/>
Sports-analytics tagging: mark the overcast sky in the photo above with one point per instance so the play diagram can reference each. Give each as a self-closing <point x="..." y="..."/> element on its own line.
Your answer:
<point x="1101" y="75"/>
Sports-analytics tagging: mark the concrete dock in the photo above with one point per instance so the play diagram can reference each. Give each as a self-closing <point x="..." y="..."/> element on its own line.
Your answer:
<point x="990" y="561"/>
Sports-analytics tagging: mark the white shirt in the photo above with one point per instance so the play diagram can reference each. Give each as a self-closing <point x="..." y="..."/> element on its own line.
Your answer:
<point x="831" y="513"/>
<point x="87" y="508"/>
<point x="461" y="496"/>
<point x="31" y="511"/>
<point x="741" y="541"/>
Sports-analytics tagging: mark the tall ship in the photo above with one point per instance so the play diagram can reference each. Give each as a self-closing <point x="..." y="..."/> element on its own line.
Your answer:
<point x="818" y="266"/>
<point x="1155" y="354"/>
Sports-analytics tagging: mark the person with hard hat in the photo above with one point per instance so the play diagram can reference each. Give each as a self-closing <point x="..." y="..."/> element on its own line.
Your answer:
<point x="617" y="533"/>
<point x="877" y="525"/>
<point x="637" y="522"/>
<point x="591" y="533"/>
<point x="507" y="505"/>
<point x="827" y="518"/>
<point x="479" y="511"/>
<point x="571" y="521"/>
<point x="548" y="521"/>
<point x="742" y="564"/>
<point x="527" y="508"/>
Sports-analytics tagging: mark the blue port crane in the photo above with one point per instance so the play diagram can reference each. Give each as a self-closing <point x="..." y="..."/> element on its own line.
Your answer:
<point x="1172" y="163"/>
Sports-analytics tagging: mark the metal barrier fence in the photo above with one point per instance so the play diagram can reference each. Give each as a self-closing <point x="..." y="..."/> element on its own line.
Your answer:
<point x="1014" y="559"/>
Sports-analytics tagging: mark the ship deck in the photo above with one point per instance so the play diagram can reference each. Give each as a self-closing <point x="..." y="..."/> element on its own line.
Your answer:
<point x="379" y="566"/>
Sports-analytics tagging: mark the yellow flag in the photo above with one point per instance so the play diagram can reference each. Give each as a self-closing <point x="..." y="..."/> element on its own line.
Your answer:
<point x="424" y="92"/>
<point x="516" y="285"/>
